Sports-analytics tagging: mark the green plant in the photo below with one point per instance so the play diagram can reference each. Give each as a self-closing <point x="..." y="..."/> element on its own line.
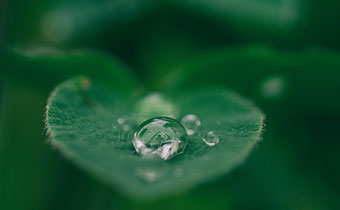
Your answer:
<point x="80" y="120"/>
<point x="151" y="56"/>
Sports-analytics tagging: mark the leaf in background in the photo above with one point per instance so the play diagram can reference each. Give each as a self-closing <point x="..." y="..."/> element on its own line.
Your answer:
<point x="259" y="16"/>
<point x="72" y="21"/>
<point x="68" y="22"/>
<point x="286" y="81"/>
<point x="30" y="76"/>
<point x="297" y="90"/>
<point x="81" y="123"/>
<point x="48" y="67"/>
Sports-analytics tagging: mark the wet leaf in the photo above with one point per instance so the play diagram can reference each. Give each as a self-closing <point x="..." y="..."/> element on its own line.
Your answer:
<point x="81" y="120"/>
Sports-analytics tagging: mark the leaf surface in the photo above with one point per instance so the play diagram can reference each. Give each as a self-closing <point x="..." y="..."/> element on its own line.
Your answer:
<point x="82" y="123"/>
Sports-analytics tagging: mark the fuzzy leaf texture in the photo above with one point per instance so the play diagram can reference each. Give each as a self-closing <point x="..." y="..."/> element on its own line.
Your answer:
<point x="81" y="120"/>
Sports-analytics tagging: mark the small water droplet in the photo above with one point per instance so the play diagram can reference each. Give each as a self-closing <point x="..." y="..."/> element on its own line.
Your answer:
<point x="178" y="172"/>
<point x="211" y="139"/>
<point x="191" y="123"/>
<point x="160" y="136"/>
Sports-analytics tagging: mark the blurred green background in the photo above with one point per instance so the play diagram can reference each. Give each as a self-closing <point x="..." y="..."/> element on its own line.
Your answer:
<point x="282" y="54"/>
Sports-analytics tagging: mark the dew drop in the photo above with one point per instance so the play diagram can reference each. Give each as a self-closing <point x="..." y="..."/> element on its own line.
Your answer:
<point x="211" y="139"/>
<point x="191" y="123"/>
<point x="160" y="136"/>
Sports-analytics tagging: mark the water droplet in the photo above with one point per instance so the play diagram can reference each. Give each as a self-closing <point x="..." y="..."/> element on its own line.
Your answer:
<point x="211" y="139"/>
<point x="160" y="136"/>
<point x="191" y="123"/>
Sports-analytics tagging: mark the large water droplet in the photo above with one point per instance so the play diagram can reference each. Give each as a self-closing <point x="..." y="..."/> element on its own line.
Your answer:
<point x="211" y="139"/>
<point x="160" y="136"/>
<point x="191" y="123"/>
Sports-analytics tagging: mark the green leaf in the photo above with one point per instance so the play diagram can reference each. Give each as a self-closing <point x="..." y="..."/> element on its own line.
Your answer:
<point x="282" y="82"/>
<point x="69" y="23"/>
<point x="49" y="67"/>
<point x="81" y="121"/>
<point x="258" y="16"/>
